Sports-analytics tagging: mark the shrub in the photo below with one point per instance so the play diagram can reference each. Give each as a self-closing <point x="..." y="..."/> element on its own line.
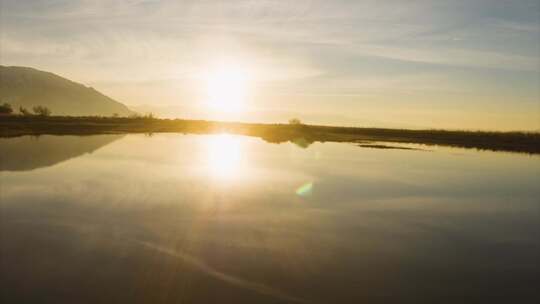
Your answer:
<point x="295" y="121"/>
<point x="41" y="111"/>
<point x="24" y="111"/>
<point x="6" y="108"/>
<point x="149" y="115"/>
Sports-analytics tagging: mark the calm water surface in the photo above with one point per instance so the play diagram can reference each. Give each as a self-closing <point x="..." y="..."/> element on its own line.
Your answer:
<point x="229" y="219"/>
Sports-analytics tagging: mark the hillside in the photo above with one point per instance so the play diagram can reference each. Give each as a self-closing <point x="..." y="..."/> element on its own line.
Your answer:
<point x="28" y="87"/>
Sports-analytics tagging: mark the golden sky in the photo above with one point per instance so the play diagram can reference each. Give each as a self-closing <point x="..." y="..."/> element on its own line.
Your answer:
<point x="417" y="64"/>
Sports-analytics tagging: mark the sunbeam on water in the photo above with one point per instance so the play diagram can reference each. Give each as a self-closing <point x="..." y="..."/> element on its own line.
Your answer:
<point x="224" y="156"/>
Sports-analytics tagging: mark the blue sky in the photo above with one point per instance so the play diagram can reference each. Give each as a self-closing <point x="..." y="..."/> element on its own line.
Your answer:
<point x="438" y="64"/>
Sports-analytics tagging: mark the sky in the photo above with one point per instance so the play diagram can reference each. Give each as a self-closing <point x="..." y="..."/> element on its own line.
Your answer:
<point x="462" y="64"/>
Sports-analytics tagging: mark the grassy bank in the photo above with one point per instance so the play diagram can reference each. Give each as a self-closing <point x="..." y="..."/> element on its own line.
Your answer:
<point x="276" y="133"/>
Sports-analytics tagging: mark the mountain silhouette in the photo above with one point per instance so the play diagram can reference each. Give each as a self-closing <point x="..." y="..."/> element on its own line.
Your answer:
<point x="29" y="152"/>
<point x="28" y="87"/>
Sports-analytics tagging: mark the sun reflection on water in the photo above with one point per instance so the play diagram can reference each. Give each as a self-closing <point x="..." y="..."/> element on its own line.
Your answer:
<point x="224" y="156"/>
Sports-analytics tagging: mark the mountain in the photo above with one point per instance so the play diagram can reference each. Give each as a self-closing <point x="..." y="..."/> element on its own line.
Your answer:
<point x="28" y="87"/>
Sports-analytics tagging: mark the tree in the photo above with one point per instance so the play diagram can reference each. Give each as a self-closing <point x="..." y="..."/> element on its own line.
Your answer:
<point x="149" y="115"/>
<point x="41" y="111"/>
<point x="6" y="109"/>
<point x="24" y="111"/>
<point x="295" y="121"/>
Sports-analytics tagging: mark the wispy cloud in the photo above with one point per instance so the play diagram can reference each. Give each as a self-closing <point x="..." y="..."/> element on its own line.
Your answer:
<point x="304" y="43"/>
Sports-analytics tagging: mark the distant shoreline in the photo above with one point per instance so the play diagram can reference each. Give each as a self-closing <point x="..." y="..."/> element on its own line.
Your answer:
<point x="522" y="142"/>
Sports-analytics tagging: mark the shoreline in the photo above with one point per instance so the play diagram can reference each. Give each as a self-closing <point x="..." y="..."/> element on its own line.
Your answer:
<point x="521" y="142"/>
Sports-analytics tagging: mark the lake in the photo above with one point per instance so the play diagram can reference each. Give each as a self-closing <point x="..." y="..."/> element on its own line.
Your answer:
<point x="172" y="218"/>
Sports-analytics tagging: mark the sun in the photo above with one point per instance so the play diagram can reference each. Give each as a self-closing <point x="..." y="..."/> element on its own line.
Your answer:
<point x="227" y="88"/>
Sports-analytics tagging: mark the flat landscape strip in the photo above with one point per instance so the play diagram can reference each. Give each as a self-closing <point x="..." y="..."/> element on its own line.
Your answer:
<point x="523" y="142"/>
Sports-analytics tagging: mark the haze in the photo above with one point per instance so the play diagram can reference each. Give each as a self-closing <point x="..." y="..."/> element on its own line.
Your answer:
<point x="413" y="64"/>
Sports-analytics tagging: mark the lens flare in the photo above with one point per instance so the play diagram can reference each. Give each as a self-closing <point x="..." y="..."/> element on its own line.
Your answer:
<point x="305" y="190"/>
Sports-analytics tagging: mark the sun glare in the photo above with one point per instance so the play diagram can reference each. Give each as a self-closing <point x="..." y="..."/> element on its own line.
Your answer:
<point x="224" y="156"/>
<point x="227" y="88"/>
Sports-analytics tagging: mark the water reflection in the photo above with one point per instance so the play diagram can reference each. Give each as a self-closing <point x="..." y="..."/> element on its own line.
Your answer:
<point x="140" y="221"/>
<point x="30" y="152"/>
<point x="225" y="156"/>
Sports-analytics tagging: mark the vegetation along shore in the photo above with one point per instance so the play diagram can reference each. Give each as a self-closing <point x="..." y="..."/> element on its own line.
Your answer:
<point x="301" y="134"/>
